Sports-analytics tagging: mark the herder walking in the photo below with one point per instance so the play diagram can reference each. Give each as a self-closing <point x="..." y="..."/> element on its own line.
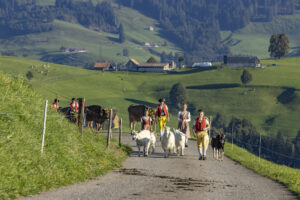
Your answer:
<point x="200" y="128"/>
<point x="146" y="121"/>
<point x="163" y="116"/>
<point x="184" y="117"/>
<point x="74" y="110"/>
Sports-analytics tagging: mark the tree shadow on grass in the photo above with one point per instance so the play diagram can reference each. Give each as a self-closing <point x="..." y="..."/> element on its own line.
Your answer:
<point x="116" y="40"/>
<point x="214" y="86"/>
<point x="135" y="101"/>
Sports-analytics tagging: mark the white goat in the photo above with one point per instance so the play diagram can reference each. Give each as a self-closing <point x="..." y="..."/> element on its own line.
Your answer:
<point x="179" y="141"/>
<point x="168" y="141"/>
<point x="145" y="139"/>
<point x="152" y="142"/>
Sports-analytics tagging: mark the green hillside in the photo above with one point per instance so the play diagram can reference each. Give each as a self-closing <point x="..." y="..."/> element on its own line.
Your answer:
<point x="101" y="45"/>
<point x="213" y="90"/>
<point x="254" y="38"/>
<point x="68" y="157"/>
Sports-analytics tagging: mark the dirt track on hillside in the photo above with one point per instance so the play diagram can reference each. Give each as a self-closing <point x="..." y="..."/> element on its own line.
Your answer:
<point x="186" y="177"/>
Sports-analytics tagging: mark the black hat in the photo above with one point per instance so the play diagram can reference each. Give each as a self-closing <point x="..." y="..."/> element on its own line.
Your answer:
<point x="56" y="100"/>
<point x="162" y="100"/>
<point x="73" y="99"/>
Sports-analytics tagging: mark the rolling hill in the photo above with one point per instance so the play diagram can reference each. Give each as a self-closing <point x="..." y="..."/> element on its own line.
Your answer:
<point x="215" y="90"/>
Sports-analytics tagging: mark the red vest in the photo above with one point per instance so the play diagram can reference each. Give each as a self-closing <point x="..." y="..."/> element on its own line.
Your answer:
<point x="74" y="108"/>
<point x="200" y="125"/>
<point x="159" y="111"/>
<point x="55" y="106"/>
<point x="147" y="122"/>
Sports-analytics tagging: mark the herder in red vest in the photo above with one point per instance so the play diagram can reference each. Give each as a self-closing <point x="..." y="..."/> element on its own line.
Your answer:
<point x="55" y="104"/>
<point x="163" y="115"/>
<point x="74" y="109"/>
<point x="146" y="121"/>
<point x="200" y="128"/>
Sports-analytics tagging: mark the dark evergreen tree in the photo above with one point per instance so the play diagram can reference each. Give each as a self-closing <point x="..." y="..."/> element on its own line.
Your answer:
<point x="178" y="95"/>
<point x="29" y="75"/>
<point x="152" y="60"/>
<point x="122" y="36"/>
<point x="125" y="52"/>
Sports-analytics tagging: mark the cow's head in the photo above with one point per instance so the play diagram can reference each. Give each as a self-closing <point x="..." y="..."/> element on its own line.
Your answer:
<point x="104" y="113"/>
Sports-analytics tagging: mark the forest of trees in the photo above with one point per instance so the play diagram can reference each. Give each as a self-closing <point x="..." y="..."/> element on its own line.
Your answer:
<point x="195" y="24"/>
<point x="26" y="16"/>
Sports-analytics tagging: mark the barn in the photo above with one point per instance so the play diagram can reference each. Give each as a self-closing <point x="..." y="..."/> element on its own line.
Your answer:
<point x="132" y="65"/>
<point x="241" y="61"/>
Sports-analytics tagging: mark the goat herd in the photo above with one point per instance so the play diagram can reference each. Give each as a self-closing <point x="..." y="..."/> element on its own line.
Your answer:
<point x="173" y="141"/>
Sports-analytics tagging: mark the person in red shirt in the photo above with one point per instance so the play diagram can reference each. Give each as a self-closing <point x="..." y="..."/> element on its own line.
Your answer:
<point x="74" y="110"/>
<point x="55" y="104"/>
<point x="200" y="128"/>
<point x="162" y="113"/>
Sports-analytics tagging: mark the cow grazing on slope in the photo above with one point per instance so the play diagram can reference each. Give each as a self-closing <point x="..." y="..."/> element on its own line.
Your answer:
<point x="97" y="114"/>
<point x="217" y="144"/>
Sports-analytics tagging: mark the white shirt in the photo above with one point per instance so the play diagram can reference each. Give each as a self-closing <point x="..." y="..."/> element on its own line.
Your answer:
<point x="146" y="118"/>
<point x="184" y="113"/>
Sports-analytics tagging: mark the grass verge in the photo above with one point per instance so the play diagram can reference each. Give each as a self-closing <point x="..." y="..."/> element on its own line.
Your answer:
<point x="287" y="176"/>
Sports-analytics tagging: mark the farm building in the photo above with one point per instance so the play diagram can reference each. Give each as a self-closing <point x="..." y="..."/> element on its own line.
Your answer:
<point x="133" y="65"/>
<point x="104" y="66"/>
<point x="241" y="61"/>
<point x="154" y="67"/>
<point x="202" y="64"/>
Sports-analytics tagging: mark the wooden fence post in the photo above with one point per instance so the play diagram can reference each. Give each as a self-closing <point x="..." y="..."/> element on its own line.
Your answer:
<point x="210" y="122"/>
<point x="259" y="150"/>
<point x="109" y="128"/>
<point x="81" y="114"/>
<point x="120" y="132"/>
<point x="232" y="136"/>
<point x="44" y="125"/>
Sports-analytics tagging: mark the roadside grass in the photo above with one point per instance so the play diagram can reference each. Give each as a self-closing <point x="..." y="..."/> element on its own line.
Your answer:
<point x="287" y="176"/>
<point x="68" y="156"/>
<point x="216" y="90"/>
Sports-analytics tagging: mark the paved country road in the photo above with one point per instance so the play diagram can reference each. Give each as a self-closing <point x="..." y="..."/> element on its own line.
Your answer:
<point x="186" y="177"/>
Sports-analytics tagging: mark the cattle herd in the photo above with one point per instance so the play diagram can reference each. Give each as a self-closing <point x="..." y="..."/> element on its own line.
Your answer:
<point x="172" y="141"/>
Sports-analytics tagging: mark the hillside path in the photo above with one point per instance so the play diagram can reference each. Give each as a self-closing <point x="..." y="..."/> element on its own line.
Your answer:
<point x="186" y="177"/>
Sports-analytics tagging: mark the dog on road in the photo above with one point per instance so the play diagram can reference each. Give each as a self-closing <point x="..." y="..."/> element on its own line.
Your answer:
<point x="217" y="144"/>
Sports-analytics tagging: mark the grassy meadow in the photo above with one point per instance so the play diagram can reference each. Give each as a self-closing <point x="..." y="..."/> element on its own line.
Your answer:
<point x="216" y="90"/>
<point x="68" y="157"/>
<point x="254" y="38"/>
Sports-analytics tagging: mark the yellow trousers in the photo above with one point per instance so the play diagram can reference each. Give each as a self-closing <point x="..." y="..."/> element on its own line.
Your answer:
<point x="162" y="121"/>
<point x="201" y="139"/>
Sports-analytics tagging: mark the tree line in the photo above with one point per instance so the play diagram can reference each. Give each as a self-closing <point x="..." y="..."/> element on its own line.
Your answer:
<point x="26" y="16"/>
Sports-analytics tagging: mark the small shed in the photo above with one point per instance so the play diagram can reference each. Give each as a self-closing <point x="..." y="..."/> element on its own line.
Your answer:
<point x="104" y="66"/>
<point x="154" y="67"/>
<point x="202" y="64"/>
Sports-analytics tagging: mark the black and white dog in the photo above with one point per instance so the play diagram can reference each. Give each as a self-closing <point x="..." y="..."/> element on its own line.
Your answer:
<point x="217" y="143"/>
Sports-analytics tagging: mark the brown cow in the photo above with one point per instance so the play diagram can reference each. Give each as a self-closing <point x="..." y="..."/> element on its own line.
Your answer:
<point x="136" y="112"/>
<point x="95" y="114"/>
